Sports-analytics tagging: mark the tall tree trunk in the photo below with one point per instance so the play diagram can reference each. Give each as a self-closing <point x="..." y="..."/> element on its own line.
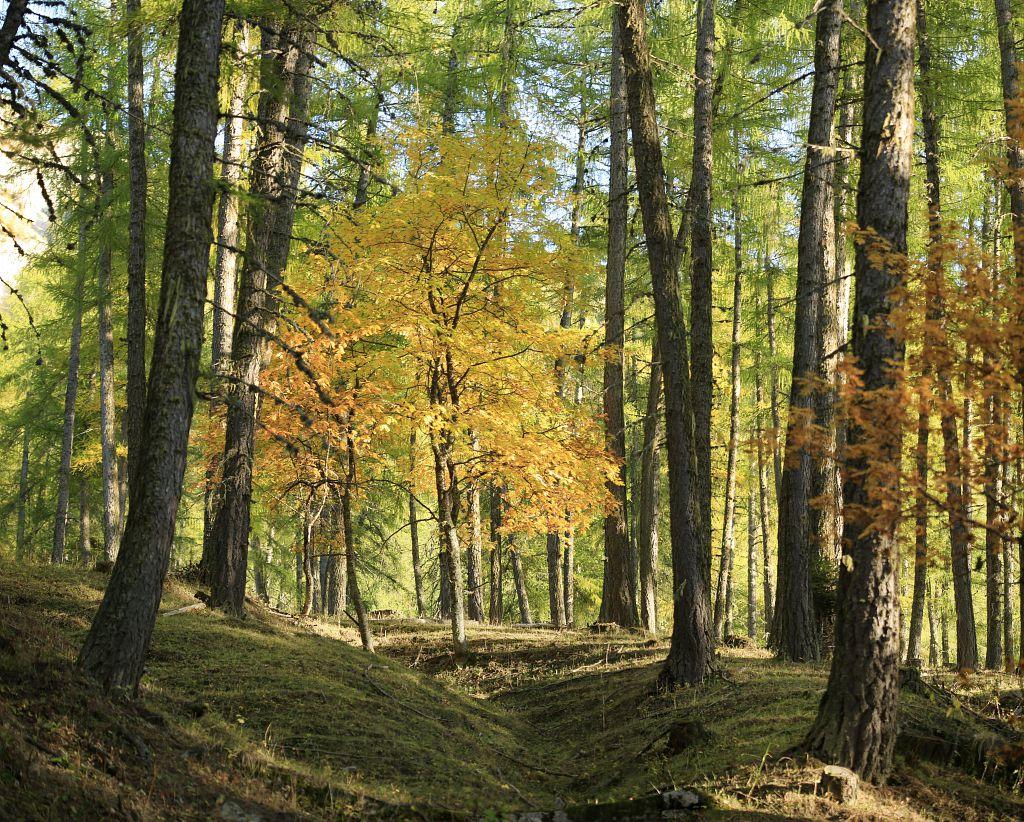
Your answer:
<point x="944" y="614"/>
<point x="650" y="474"/>
<point x="448" y="536"/>
<point x="21" y="542"/>
<point x="692" y="648"/>
<point x="474" y="556"/>
<point x="307" y="563"/>
<point x="1007" y="566"/>
<point x="556" y="595"/>
<point x="857" y="718"/>
<point x="993" y="535"/>
<point x="763" y="497"/>
<point x="773" y="384"/>
<point x="752" y="582"/>
<point x="362" y="619"/>
<point x="414" y="534"/>
<point x="569" y="576"/>
<point x="136" y="340"/>
<point x="519" y="578"/>
<point x="920" y="526"/>
<point x="70" y="398"/>
<point x="225" y="281"/>
<point x="1010" y="75"/>
<point x="933" y="626"/>
<point x="701" y="321"/>
<point x="795" y="632"/>
<point x="725" y="582"/>
<point x="115" y="647"/>
<point x="10" y="31"/>
<point x="618" y="602"/>
<point x="84" y="525"/>
<point x="277" y="162"/>
<point x="363" y="182"/>
<point x="108" y="432"/>
<point x="495" y="606"/>
<point x="956" y="474"/>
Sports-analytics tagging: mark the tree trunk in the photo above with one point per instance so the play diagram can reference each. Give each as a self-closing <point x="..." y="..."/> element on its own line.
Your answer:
<point x="795" y="632"/>
<point x="70" y="398"/>
<point x="701" y="298"/>
<point x="956" y="474"/>
<point x="1009" y="662"/>
<point x="933" y="627"/>
<point x="520" y="581"/>
<point x="414" y="534"/>
<point x="857" y="719"/>
<point x="773" y="383"/>
<point x="115" y="647"/>
<point x="556" y="594"/>
<point x="362" y="620"/>
<point x="136" y="340"/>
<point x="751" y="552"/>
<point x="993" y="535"/>
<point x="474" y="556"/>
<point x="259" y="571"/>
<point x="448" y="535"/>
<point x="495" y="606"/>
<point x="307" y="563"/>
<point x="225" y="278"/>
<point x="763" y="497"/>
<point x="1009" y="74"/>
<point x="569" y="576"/>
<point x="84" y="527"/>
<point x="108" y="432"/>
<point x="723" y="615"/>
<point x="277" y="162"/>
<point x="21" y="542"/>
<point x="650" y="475"/>
<point x="618" y="599"/>
<point x="692" y="649"/>
<point x="944" y="614"/>
<point x="920" y="528"/>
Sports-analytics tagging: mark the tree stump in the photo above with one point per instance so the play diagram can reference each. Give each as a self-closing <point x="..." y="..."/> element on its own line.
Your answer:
<point x="838" y="784"/>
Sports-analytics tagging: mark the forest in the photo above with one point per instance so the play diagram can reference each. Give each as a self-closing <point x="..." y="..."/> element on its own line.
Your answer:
<point x="511" y="409"/>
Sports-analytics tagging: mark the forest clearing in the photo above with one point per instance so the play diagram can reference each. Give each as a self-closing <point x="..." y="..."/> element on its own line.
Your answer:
<point x="511" y="409"/>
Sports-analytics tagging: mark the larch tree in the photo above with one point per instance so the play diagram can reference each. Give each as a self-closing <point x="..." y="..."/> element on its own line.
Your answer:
<point x="286" y="55"/>
<point x="692" y="648"/>
<point x="856" y="722"/>
<point x="618" y="602"/>
<point x="114" y="650"/>
<point x="795" y="633"/>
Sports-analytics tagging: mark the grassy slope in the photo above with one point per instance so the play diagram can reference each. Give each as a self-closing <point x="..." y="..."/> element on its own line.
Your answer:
<point x="281" y="716"/>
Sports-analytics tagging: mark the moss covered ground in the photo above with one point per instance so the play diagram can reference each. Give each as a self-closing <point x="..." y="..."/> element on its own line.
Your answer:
<point x="278" y="718"/>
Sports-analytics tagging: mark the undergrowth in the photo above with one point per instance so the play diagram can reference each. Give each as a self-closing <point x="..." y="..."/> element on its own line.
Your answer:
<point x="286" y="718"/>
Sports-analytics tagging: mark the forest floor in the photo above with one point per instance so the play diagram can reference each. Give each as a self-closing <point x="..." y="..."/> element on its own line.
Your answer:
<point x="276" y="718"/>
